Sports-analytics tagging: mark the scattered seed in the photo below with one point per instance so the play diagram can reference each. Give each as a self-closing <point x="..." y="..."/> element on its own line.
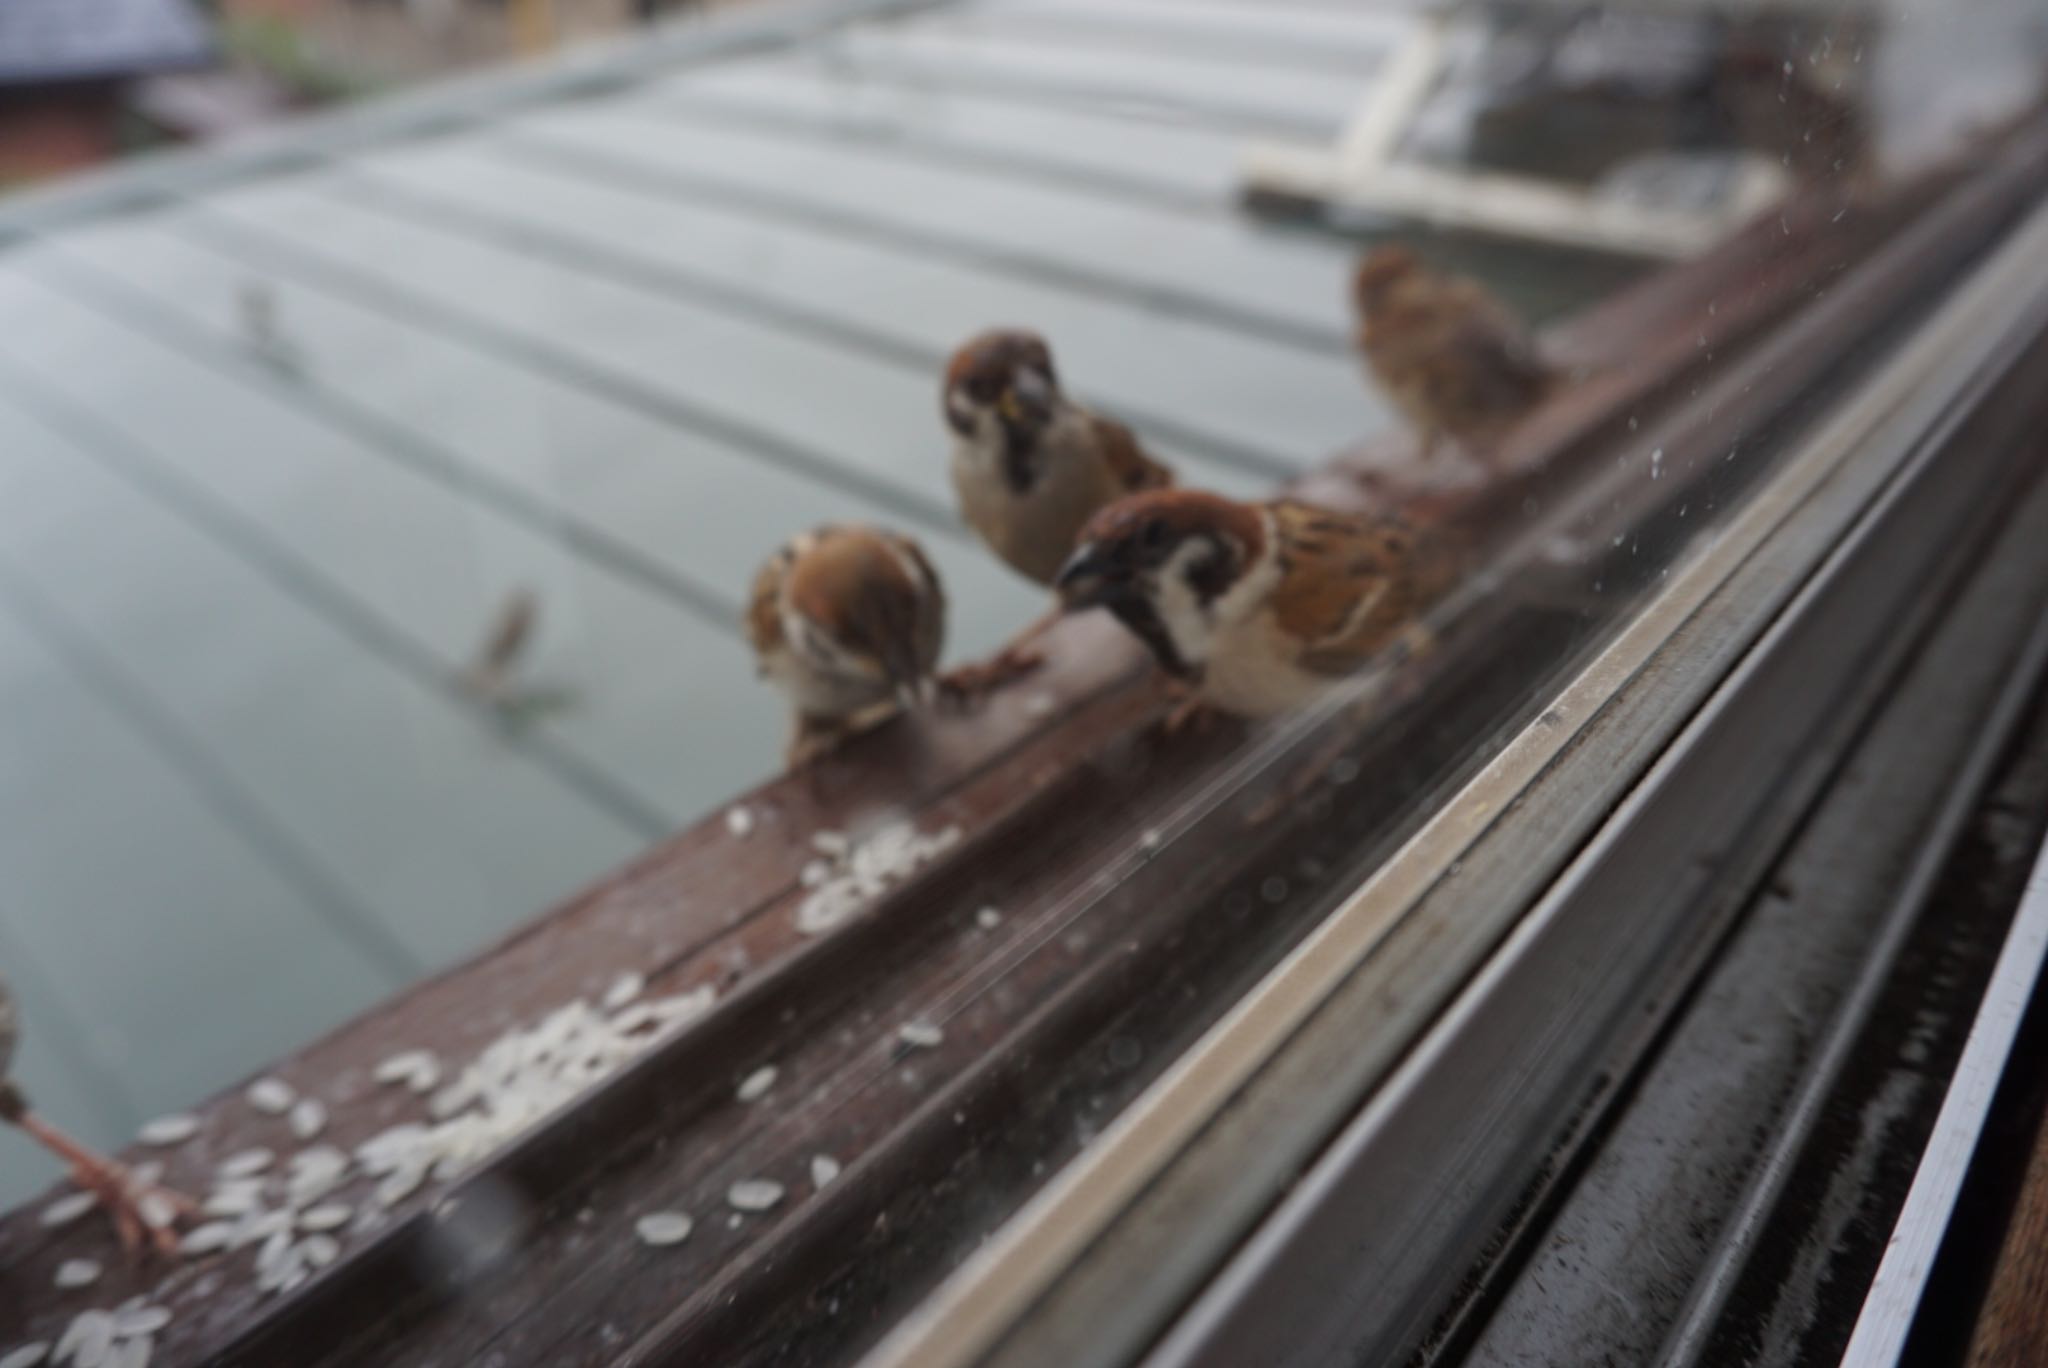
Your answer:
<point x="320" y="1250"/>
<point x="332" y="1216"/>
<point x="210" y="1238"/>
<point x="815" y="874"/>
<point x="147" y="1174"/>
<point x="754" y="1194"/>
<point x="1151" y="840"/>
<point x="168" y="1130"/>
<point x="26" y="1356"/>
<point x="308" y="1118"/>
<point x="755" y="1085"/>
<point x="87" y="1339"/>
<point x="140" y="1320"/>
<point x="740" y="822"/>
<point x="662" y="1228"/>
<point x="988" y="918"/>
<point x="77" y="1273"/>
<point x="732" y="1222"/>
<point x="623" y="990"/>
<point x="68" y="1208"/>
<point x="156" y="1210"/>
<point x="245" y="1164"/>
<point x="271" y="1095"/>
<point x="831" y="844"/>
<point x="417" y="1069"/>
<point x="824" y="1168"/>
<point x="922" y="1035"/>
<point x="129" y="1353"/>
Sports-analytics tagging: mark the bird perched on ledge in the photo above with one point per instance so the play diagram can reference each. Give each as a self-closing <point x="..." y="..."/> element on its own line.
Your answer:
<point x="1261" y="607"/>
<point x="847" y="621"/>
<point x="1030" y="465"/>
<point x="141" y="1211"/>
<point x="1452" y="358"/>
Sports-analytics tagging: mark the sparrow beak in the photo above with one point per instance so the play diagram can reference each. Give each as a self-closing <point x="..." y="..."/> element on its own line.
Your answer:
<point x="1011" y="407"/>
<point x="1089" y="579"/>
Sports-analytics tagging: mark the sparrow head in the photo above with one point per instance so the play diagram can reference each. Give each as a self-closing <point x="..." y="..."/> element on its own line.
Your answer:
<point x="866" y="610"/>
<point x="1159" y="561"/>
<point x="1382" y="271"/>
<point x="1000" y="383"/>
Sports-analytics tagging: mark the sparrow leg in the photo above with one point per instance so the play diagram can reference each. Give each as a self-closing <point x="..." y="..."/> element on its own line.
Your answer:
<point x="124" y="1198"/>
<point x="1190" y="716"/>
<point x="815" y="737"/>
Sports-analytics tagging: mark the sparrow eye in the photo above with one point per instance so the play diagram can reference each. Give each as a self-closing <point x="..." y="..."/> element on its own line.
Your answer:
<point x="1153" y="534"/>
<point x="983" y="388"/>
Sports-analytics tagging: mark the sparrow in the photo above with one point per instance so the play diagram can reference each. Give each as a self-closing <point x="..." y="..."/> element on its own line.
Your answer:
<point x="140" y="1211"/>
<point x="1029" y="464"/>
<point x="1452" y="358"/>
<point x="848" y="622"/>
<point x="1258" y="608"/>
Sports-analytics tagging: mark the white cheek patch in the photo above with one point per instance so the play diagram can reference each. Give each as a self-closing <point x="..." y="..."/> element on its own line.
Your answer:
<point x="1181" y="610"/>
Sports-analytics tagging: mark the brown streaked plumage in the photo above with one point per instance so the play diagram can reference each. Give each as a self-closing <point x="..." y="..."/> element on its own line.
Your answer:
<point x="1029" y="464"/>
<point x="124" y="1197"/>
<point x="1262" y="607"/>
<point x="1450" y="356"/>
<point x="848" y="621"/>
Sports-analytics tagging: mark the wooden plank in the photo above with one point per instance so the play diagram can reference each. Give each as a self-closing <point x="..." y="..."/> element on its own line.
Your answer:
<point x="2012" y="1325"/>
<point x="409" y="553"/>
<point x="698" y="508"/>
<point x="1181" y="164"/>
<point x="1234" y="273"/>
<point x="1234" y="410"/>
<point x="112" y="1039"/>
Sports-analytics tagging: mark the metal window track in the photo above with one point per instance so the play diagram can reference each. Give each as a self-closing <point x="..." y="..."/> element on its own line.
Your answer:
<point x="1380" y="1215"/>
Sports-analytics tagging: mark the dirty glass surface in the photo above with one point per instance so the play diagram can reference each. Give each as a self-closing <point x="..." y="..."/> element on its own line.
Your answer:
<point x="383" y="510"/>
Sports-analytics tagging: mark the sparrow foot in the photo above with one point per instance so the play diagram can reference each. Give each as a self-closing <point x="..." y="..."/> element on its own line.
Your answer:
<point x="967" y="683"/>
<point x="145" y="1215"/>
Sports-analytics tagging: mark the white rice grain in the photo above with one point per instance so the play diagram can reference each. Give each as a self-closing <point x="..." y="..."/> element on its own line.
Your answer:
<point x="130" y="1353"/>
<point x="210" y="1238"/>
<point x="754" y="1194"/>
<point x="739" y="821"/>
<point x="140" y="1320"/>
<point x="319" y="1250"/>
<point x="419" y="1070"/>
<point x="755" y="1085"/>
<point x="86" y="1340"/>
<point x="988" y="919"/>
<point x="168" y="1130"/>
<point x="623" y="990"/>
<point x="922" y="1035"/>
<point x="67" y="1209"/>
<point x="272" y="1096"/>
<point x="308" y="1118"/>
<point x="246" y="1163"/>
<point x="77" y="1273"/>
<point x="332" y="1216"/>
<point x="26" y="1355"/>
<point x="662" y="1228"/>
<point x="824" y="1168"/>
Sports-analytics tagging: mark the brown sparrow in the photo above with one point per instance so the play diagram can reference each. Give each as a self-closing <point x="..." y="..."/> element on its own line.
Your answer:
<point x="1260" y="607"/>
<point x="1029" y="464"/>
<point x="141" y="1212"/>
<point x="1452" y="358"/>
<point x="848" y="622"/>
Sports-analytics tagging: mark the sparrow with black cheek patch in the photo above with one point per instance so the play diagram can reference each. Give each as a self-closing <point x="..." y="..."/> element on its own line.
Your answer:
<point x="1452" y="358"/>
<point x="1260" y="608"/>
<point x="1029" y="464"/>
<point x="848" y="621"/>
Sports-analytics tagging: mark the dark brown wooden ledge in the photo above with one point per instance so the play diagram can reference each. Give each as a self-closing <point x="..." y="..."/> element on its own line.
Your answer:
<point x="1114" y="950"/>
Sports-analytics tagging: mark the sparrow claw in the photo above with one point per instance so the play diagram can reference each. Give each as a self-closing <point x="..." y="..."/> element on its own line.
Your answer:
<point x="124" y="1199"/>
<point x="1190" y="717"/>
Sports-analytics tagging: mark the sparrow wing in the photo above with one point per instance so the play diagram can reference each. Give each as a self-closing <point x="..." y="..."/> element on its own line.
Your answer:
<point x="1347" y="586"/>
<point x="931" y="608"/>
<point x="764" y="604"/>
<point x="1128" y="464"/>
